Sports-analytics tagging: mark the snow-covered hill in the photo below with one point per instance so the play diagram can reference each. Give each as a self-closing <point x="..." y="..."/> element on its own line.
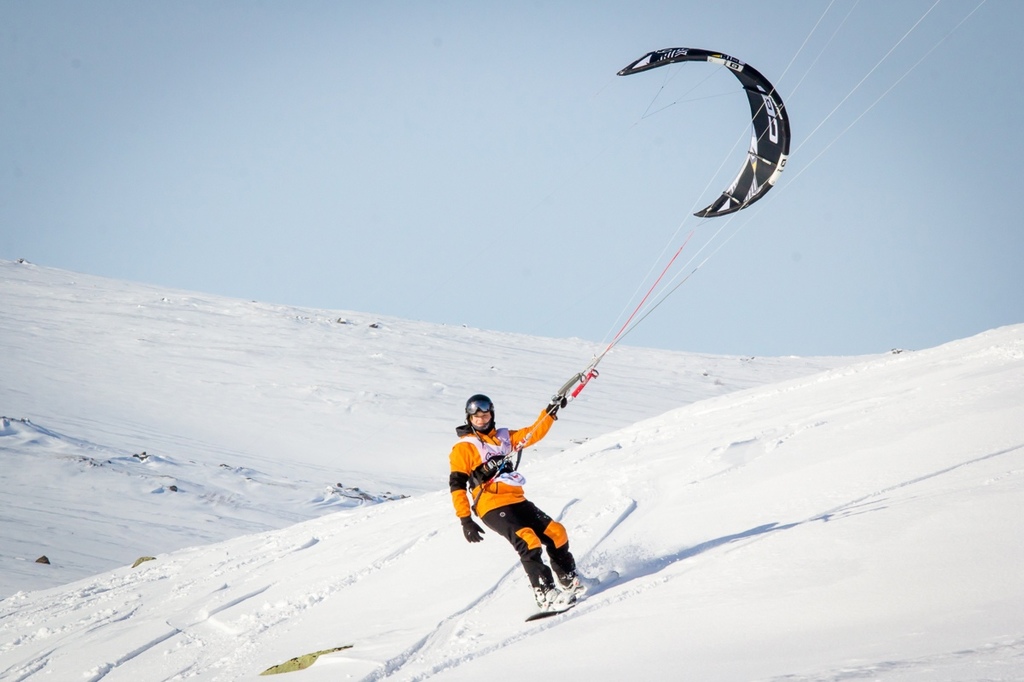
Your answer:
<point x="255" y="416"/>
<point x="859" y="522"/>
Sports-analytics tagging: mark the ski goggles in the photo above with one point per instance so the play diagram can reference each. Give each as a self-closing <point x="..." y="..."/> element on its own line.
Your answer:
<point x="477" y="406"/>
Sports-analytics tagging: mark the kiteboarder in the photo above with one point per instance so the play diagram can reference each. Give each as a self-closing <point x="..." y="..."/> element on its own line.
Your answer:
<point x="482" y="461"/>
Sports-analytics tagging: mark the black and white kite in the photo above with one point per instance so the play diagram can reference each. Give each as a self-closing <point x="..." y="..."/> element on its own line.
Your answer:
<point x="769" y="144"/>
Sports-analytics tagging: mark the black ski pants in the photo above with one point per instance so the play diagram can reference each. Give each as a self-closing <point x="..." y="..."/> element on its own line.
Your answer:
<point x="528" y="529"/>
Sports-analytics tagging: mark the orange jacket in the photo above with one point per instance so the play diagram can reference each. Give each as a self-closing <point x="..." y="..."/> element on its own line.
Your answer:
<point x="465" y="457"/>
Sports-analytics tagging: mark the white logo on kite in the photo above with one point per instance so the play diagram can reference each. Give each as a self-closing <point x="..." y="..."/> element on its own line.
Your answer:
<point x="773" y="118"/>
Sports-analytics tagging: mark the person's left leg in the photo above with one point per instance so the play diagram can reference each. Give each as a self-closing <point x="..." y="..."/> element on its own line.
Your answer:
<point x="507" y="522"/>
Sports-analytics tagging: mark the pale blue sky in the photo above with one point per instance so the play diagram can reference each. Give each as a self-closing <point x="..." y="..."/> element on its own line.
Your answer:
<point x="480" y="163"/>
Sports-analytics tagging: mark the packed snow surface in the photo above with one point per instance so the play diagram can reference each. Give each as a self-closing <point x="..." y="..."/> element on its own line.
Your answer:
<point x="769" y="518"/>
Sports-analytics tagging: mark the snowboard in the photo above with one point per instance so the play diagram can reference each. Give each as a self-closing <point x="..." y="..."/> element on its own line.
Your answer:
<point x="589" y="585"/>
<point x="550" y="612"/>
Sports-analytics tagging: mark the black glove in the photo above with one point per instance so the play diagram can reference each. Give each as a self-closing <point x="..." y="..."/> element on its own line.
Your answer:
<point x="488" y="470"/>
<point x="557" y="402"/>
<point x="473" y="532"/>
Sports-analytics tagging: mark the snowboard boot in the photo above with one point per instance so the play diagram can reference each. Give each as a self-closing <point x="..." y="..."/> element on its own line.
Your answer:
<point x="573" y="584"/>
<point x="552" y="599"/>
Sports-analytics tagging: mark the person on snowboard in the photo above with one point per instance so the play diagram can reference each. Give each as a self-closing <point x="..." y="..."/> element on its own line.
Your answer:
<point x="482" y="462"/>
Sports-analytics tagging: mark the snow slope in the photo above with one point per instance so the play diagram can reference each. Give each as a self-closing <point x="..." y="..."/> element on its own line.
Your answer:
<point x="262" y="415"/>
<point x="862" y="522"/>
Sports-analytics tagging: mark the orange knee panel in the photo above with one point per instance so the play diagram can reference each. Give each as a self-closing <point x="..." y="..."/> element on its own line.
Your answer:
<point x="556" y="532"/>
<point x="529" y="537"/>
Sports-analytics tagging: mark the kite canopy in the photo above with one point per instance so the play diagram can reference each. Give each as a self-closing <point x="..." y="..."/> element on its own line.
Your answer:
<point x="769" y="144"/>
